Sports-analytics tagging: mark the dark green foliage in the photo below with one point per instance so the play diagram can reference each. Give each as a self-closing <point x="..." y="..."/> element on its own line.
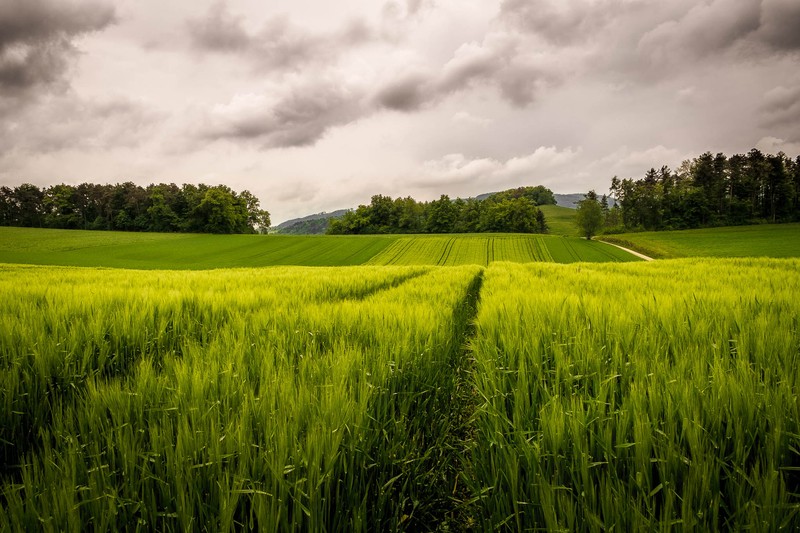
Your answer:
<point x="589" y="215"/>
<point x="710" y="190"/>
<point x="511" y="211"/>
<point x="539" y="195"/>
<point x="130" y="207"/>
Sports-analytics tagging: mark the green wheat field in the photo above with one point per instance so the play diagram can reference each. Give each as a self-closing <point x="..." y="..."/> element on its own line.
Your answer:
<point x="533" y="385"/>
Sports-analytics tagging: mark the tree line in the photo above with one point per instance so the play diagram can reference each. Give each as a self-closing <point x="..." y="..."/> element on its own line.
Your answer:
<point x="129" y="207"/>
<point x="510" y="211"/>
<point x="709" y="190"/>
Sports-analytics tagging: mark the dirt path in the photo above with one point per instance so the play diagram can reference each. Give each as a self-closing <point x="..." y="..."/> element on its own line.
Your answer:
<point x="637" y="254"/>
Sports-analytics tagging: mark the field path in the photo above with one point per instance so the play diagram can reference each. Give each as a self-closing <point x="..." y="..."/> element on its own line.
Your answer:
<point x="633" y="252"/>
<point x="463" y="403"/>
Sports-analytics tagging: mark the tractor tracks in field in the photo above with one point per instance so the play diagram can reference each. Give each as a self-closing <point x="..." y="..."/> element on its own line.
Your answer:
<point x="422" y="464"/>
<point x="632" y="252"/>
<point x="457" y="513"/>
<point x="367" y="292"/>
<point x="448" y="248"/>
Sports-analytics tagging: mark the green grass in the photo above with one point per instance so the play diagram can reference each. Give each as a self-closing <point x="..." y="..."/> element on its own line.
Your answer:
<point x="482" y="249"/>
<point x="768" y="240"/>
<point x="181" y="251"/>
<point x="639" y="397"/>
<point x="275" y="399"/>
<point x="561" y="220"/>
<point x="586" y="397"/>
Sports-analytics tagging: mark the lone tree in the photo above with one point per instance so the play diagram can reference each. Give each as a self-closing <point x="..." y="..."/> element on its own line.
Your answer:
<point x="589" y="215"/>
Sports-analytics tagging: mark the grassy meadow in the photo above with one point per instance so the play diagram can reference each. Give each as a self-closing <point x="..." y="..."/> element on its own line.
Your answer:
<point x="452" y="250"/>
<point x="585" y="397"/>
<point x="503" y="392"/>
<point x="638" y="397"/>
<point x="561" y="220"/>
<point x="767" y="240"/>
<point x="118" y="249"/>
<point x="192" y="251"/>
<point x="279" y="399"/>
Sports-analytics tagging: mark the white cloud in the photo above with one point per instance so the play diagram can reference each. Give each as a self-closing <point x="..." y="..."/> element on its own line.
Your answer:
<point x="457" y="169"/>
<point x="627" y="163"/>
<point x="464" y="117"/>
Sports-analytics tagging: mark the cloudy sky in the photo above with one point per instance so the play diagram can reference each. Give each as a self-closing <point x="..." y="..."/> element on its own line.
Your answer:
<point x="315" y="105"/>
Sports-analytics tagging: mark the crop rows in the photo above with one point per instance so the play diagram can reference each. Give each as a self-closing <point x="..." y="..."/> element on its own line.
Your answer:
<point x="588" y="397"/>
<point x="484" y="249"/>
<point x="287" y="399"/>
<point x="639" y="397"/>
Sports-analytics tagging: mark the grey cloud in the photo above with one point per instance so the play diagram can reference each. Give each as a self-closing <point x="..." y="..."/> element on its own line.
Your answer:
<point x="781" y="107"/>
<point x="299" y="118"/>
<point x="356" y="32"/>
<point x="562" y="21"/>
<point x="280" y="44"/>
<point x="652" y="39"/>
<point x="36" y="40"/>
<point x="394" y="9"/>
<point x="398" y="18"/>
<point x="407" y="93"/>
<point x="471" y="63"/>
<point x="502" y="61"/>
<point x="306" y="111"/>
<point x="704" y="29"/>
<point x="699" y="27"/>
<point x="751" y="28"/>
<point x="413" y="6"/>
<point x="496" y="61"/>
<point x="296" y="191"/>
<point x="219" y="31"/>
<point x="39" y="20"/>
<point x="520" y="86"/>
<point x="277" y="45"/>
<point x="780" y="24"/>
<point x="25" y="66"/>
<point x="68" y="122"/>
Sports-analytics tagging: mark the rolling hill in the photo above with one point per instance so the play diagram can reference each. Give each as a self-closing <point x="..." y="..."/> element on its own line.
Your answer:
<point x="193" y="251"/>
<point x="317" y="224"/>
<point x="767" y="240"/>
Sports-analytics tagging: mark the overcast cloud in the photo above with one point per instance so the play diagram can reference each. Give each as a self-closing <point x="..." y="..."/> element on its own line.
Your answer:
<point x="314" y="106"/>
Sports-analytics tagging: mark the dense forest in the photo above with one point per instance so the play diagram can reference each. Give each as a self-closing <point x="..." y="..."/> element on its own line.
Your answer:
<point x="709" y="190"/>
<point x="514" y="210"/>
<point x="129" y="207"/>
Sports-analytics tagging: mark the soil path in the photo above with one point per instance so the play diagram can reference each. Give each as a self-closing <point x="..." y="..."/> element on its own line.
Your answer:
<point x="637" y="254"/>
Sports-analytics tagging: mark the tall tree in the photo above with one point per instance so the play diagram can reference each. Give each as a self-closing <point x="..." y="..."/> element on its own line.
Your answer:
<point x="28" y="202"/>
<point x="589" y="215"/>
<point x="442" y="216"/>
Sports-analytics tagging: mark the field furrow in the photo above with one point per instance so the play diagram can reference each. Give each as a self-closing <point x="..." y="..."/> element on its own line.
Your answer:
<point x="229" y="399"/>
<point x="518" y="396"/>
<point x="485" y="249"/>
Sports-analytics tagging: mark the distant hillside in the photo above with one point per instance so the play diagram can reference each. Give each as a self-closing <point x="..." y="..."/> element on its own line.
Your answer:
<point x="560" y="220"/>
<point x="315" y="224"/>
<point x="571" y="200"/>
